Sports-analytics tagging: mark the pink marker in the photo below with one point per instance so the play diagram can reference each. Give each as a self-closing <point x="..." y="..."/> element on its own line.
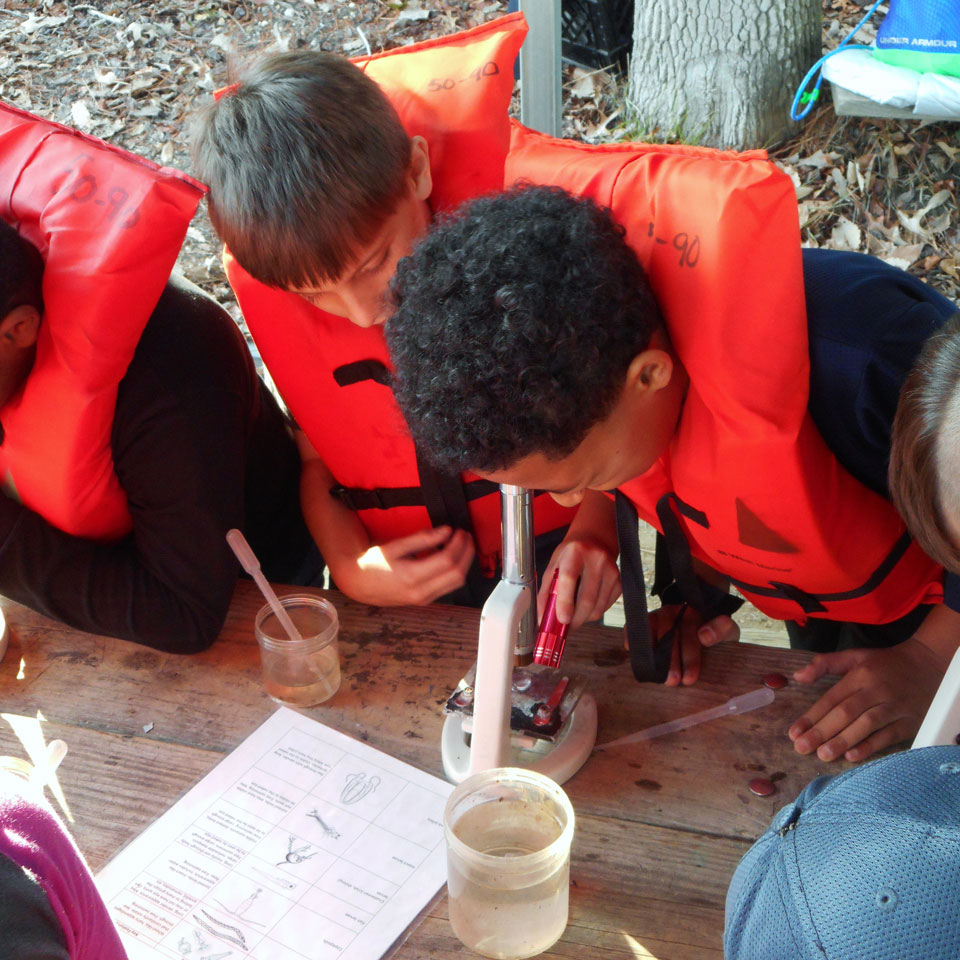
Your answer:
<point x="552" y="635"/>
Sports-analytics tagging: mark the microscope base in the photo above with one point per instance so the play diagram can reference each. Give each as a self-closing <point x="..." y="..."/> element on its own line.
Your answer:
<point x="559" y="760"/>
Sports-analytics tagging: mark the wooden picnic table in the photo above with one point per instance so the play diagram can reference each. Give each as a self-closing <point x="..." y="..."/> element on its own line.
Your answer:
<point x="660" y="825"/>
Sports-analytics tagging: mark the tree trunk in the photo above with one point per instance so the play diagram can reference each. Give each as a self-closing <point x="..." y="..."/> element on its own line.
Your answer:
<point x="720" y="73"/>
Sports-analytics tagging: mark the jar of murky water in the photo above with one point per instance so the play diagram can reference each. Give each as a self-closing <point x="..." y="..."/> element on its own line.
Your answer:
<point x="508" y="835"/>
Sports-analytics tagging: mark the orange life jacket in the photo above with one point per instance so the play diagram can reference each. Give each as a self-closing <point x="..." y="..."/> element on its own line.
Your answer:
<point x="755" y="489"/>
<point x="108" y="225"/>
<point x="333" y="375"/>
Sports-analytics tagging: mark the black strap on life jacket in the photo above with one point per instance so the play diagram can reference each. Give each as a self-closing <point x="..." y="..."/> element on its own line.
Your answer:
<point x="446" y="505"/>
<point x="649" y="662"/>
<point x="676" y="582"/>
<point x="815" y="602"/>
<point x="361" y="371"/>
<point x="712" y="602"/>
<point x="442" y="494"/>
<point x="384" y="498"/>
<point x="708" y="600"/>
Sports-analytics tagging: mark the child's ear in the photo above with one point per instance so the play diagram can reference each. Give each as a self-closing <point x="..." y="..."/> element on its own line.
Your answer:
<point x="420" y="176"/>
<point x="651" y="369"/>
<point x="19" y="327"/>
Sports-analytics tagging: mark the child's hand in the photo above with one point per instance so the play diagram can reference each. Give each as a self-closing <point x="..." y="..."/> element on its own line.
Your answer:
<point x="881" y="699"/>
<point x="690" y="634"/>
<point x="415" y="569"/>
<point x="589" y="562"/>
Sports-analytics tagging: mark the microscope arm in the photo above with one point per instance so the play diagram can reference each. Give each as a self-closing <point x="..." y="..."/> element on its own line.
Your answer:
<point x="499" y="623"/>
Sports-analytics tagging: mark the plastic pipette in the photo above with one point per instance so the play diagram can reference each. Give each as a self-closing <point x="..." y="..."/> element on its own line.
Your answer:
<point x="742" y="704"/>
<point x="250" y="563"/>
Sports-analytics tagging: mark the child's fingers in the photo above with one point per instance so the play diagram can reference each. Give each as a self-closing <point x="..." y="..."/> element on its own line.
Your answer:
<point x="568" y="560"/>
<point x="850" y="722"/>
<point x="567" y="591"/>
<point x="416" y="542"/>
<point x="824" y="664"/>
<point x="722" y="629"/>
<point x="460" y="551"/>
<point x="543" y="593"/>
<point x="440" y="572"/>
<point x="685" y="655"/>
<point x="675" y="673"/>
<point x="837" y="710"/>
<point x="588" y="596"/>
<point x="599" y="587"/>
<point x="610" y="592"/>
<point x="438" y="586"/>
<point x="690" y="647"/>
<point x="883" y="738"/>
<point x="816" y="713"/>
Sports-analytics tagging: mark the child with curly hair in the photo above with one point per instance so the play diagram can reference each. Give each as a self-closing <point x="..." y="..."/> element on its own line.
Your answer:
<point x="529" y="347"/>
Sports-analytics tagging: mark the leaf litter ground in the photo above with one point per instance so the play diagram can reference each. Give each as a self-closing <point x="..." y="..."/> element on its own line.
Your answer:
<point x="133" y="73"/>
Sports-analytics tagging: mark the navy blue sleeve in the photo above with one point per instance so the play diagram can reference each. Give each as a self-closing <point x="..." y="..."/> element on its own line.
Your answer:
<point x="951" y="591"/>
<point x="867" y="322"/>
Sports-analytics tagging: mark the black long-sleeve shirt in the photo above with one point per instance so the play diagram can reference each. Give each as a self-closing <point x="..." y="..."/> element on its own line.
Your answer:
<point x="199" y="446"/>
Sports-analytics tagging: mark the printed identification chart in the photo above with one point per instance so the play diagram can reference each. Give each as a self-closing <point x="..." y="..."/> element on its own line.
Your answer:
<point x="301" y="845"/>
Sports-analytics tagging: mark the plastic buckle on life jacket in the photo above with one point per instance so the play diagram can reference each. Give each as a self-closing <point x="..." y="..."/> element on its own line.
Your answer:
<point x="806" y="601"/>
<point x="360" y="371"/>
<point x="346" y="497"/>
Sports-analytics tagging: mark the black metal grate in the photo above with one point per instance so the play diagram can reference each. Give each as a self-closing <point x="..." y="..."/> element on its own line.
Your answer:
<point x="597" y="33"/>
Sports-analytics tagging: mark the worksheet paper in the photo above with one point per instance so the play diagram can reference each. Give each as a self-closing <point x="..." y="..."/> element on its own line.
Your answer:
<point x="302" y="843"/>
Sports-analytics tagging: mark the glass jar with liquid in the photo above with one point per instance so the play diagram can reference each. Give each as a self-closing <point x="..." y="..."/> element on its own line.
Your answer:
<point x="303" y="672"/>
<point x="508" y="834"/>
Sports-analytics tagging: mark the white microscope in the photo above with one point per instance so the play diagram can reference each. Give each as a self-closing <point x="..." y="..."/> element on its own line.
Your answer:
<point x="526" y="715"/>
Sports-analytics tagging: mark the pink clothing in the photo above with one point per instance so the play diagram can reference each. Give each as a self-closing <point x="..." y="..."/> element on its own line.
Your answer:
<point x="32" y="836"/>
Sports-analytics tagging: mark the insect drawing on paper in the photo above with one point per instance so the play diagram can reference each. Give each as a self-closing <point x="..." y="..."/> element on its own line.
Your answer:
<point x="185" y="947"/>
<point x="327" y="829"/>
<point x="297" y="855"/>
<point x="279" y="881"/>
<point x="357" y="786"/>
<point x="221" y="930"/>
<point x="243" y="907"/>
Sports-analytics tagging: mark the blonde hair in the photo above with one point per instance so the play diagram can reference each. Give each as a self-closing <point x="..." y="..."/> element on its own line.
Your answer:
<point x="924" y="471"/>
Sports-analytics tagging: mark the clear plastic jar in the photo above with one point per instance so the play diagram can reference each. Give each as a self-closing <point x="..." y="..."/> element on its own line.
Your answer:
<point x="303" y="672"/>
<point x="508" y="835"/>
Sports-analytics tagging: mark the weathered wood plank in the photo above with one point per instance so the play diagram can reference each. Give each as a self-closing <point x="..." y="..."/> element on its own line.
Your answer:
<point x="398" y="667"/>
<point x="634" y="887"/>
<point x="661" y="825"/>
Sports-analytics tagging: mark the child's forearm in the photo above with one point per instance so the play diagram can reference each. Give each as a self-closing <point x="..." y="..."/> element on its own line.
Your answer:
<point x="340" y="536"/>
<point x="940" y="632"/>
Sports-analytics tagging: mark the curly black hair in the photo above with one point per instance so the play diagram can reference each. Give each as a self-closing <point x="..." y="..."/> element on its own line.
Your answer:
<point x="21" y="271"/>
<point x="516" y="320"/>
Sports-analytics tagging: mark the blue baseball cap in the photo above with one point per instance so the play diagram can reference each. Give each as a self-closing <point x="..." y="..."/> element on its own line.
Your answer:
<point x="865" y="864"/>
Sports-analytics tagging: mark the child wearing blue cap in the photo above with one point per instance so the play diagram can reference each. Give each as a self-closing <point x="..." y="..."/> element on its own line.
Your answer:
<point x="864" y="864"/>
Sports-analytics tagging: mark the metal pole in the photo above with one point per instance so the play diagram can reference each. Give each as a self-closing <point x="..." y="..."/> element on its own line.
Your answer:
<point x="540" y="109"/>
<point x="516" y="524"/>
<point x="540" y="60"/>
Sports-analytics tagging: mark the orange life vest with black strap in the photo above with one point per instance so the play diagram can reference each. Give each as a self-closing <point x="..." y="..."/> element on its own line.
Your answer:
<point x="748" y="478"/>
<point x="333" y="375"/>
<point x="108" y="225"/>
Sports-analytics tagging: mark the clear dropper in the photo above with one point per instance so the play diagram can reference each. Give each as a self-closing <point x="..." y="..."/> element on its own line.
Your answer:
<point x="250" y="563"/>
<point x="742" y="704"/>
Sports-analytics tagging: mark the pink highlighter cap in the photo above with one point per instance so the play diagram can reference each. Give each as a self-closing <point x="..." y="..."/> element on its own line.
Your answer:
<point x="552" y="634"/>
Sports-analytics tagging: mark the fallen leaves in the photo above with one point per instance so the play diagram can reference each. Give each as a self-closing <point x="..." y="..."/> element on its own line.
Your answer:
<point x="133" y="72"/>
<point x="886" y="188"/>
